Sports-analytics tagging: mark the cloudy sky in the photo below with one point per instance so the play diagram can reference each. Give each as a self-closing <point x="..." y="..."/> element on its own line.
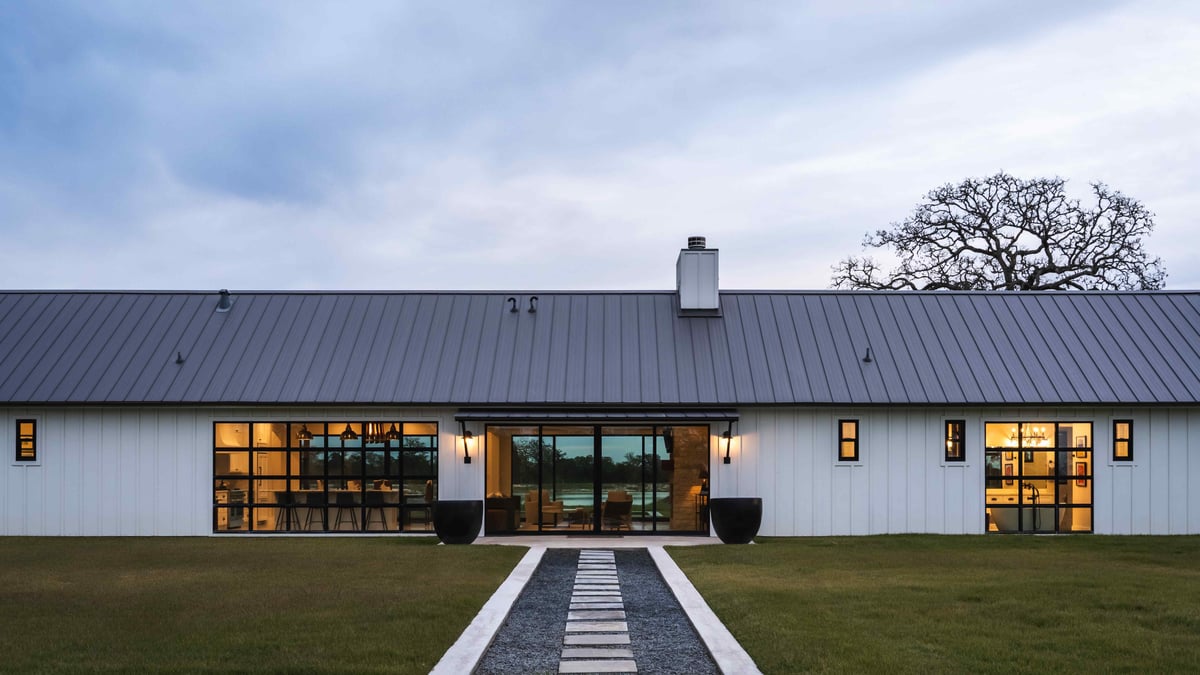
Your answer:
<point x="559" y="145"/>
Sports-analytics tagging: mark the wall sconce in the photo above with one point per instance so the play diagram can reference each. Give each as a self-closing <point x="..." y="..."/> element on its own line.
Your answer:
<point x="728" y="436"/>
<point x="668" y="436"/>
<point x="467" y="437"/>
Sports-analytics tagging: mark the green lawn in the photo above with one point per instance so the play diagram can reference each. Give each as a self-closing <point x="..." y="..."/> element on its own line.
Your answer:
<point x="254" y="604"/>
<point x="998" y="604"/>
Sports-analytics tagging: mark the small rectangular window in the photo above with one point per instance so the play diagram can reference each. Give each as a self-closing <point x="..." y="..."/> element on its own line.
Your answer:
<point x="27" y="441"/>
<point x="1122" y="440"/>
<point x="954" y="440"/>
<point x="847" y="440"/>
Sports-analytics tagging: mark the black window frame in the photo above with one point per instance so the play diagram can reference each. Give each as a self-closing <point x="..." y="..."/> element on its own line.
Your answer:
<point x="1066" y="456"/>
<point x="842" y="439"/>
<point x="411" y="457"/>
<point x="1118" y="440"/>
<point x="956" y="431"/>
<point x="32" y="439"/>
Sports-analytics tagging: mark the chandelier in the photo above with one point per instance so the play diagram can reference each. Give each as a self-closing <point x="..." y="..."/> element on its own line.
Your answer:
<point x="375" y="433"/>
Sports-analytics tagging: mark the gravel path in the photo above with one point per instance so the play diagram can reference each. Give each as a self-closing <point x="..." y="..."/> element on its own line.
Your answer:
<point x="532" y="637"/>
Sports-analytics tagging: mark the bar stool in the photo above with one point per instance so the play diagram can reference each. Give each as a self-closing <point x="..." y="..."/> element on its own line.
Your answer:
<point x="375" y="506"/>
<point x="315" y="503"/>
<point x="286" y="516"/>
<point x="345" y="501"/>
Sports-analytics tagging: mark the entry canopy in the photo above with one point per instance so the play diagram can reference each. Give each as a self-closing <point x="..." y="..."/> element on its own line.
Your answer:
<point x="639" y="416"/>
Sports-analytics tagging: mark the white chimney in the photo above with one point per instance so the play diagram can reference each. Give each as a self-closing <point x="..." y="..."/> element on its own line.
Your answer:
<point x="696" y="276"/>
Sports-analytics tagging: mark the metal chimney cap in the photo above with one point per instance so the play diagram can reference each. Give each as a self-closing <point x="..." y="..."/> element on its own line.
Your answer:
<point x="697" y="242"/>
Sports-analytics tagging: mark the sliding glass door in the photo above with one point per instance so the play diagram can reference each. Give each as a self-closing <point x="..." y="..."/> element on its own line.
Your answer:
<point x="580" y="479"/>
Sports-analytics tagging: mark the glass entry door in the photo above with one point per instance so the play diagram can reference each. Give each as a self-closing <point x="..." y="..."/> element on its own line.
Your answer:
<point x="578" y="479"/>
<point x="1038" y="476"/>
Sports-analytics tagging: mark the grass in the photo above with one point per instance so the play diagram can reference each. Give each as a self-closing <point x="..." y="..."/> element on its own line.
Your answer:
<point x="964" y="604"/>
<point x="247" y="605"/>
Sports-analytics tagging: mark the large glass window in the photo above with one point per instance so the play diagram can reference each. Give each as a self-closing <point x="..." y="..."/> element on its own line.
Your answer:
<point x="324" y="476"/>
<point x="1038" y="476"/>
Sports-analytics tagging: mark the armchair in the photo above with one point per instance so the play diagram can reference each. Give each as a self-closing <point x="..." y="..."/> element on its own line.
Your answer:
<point x="551" y="510"/>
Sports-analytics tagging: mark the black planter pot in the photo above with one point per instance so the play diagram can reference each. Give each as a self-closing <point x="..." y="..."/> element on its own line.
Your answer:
<point x="457" y="521"/>
<point x="736" y="519"/>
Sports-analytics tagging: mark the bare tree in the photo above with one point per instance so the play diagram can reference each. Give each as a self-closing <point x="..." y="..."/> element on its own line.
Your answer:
<point x="1002" y="232"/>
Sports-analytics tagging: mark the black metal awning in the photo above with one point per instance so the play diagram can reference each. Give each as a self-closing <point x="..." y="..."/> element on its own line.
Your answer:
<point x="601" y="416"/>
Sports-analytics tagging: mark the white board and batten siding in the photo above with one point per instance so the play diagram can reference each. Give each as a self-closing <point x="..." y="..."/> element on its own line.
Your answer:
<point x="901" y="483"/>
<point x="147" y="471"/>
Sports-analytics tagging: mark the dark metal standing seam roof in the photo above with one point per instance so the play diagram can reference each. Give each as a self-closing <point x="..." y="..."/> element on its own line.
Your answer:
<point x="600" y="349"/>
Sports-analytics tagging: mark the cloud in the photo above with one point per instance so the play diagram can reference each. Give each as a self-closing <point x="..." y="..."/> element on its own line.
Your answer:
<point x="556" y="146"/>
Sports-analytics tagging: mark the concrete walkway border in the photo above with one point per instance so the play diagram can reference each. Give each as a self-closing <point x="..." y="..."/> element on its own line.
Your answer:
<point x="468" y="649"/>
<point x="725" y="649"/>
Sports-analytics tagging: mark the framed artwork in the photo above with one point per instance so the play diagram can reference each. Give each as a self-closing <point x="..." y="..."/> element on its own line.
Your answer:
<point x="1081" y="454"/>
<point x="1028" y="455"/>
<point x="1010" y="456"/>
<point x="1081" y="442"/>
<point x="1008" y="471"/>
<point x="1081" y="470"/>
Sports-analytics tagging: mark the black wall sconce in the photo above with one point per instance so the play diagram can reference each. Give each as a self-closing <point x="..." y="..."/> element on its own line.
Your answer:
<point x="668" y="436"/>
<point x="727" y="435"/>
<point x="467" y="436"/>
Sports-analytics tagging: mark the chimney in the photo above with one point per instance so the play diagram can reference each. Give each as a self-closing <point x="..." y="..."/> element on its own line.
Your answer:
<point x="696" y="277"/>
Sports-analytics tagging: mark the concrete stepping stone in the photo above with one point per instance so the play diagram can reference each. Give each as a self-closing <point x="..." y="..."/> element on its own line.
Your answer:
<point x="596" y="639"/>
<point x="614" y="666"/>
<point x="595" y="614"/>
<point x="597" y="627"/>
<point x="596" y="605"/>
<point x="597" y="653"/>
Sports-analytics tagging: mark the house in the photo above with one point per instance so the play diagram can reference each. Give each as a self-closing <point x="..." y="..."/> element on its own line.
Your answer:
<point x="193" y="413"/>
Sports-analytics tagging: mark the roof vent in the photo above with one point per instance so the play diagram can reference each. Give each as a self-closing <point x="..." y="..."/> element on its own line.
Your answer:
<point x="225" y="303"/>
<point x="697" y="242"/>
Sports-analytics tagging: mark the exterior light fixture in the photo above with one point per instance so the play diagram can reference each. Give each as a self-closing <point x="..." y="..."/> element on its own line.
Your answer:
<point x="348" y="433"/>
<point x="727" y="435"/>
<point x="467" y="436"/>
<point x="668" y="435"/>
